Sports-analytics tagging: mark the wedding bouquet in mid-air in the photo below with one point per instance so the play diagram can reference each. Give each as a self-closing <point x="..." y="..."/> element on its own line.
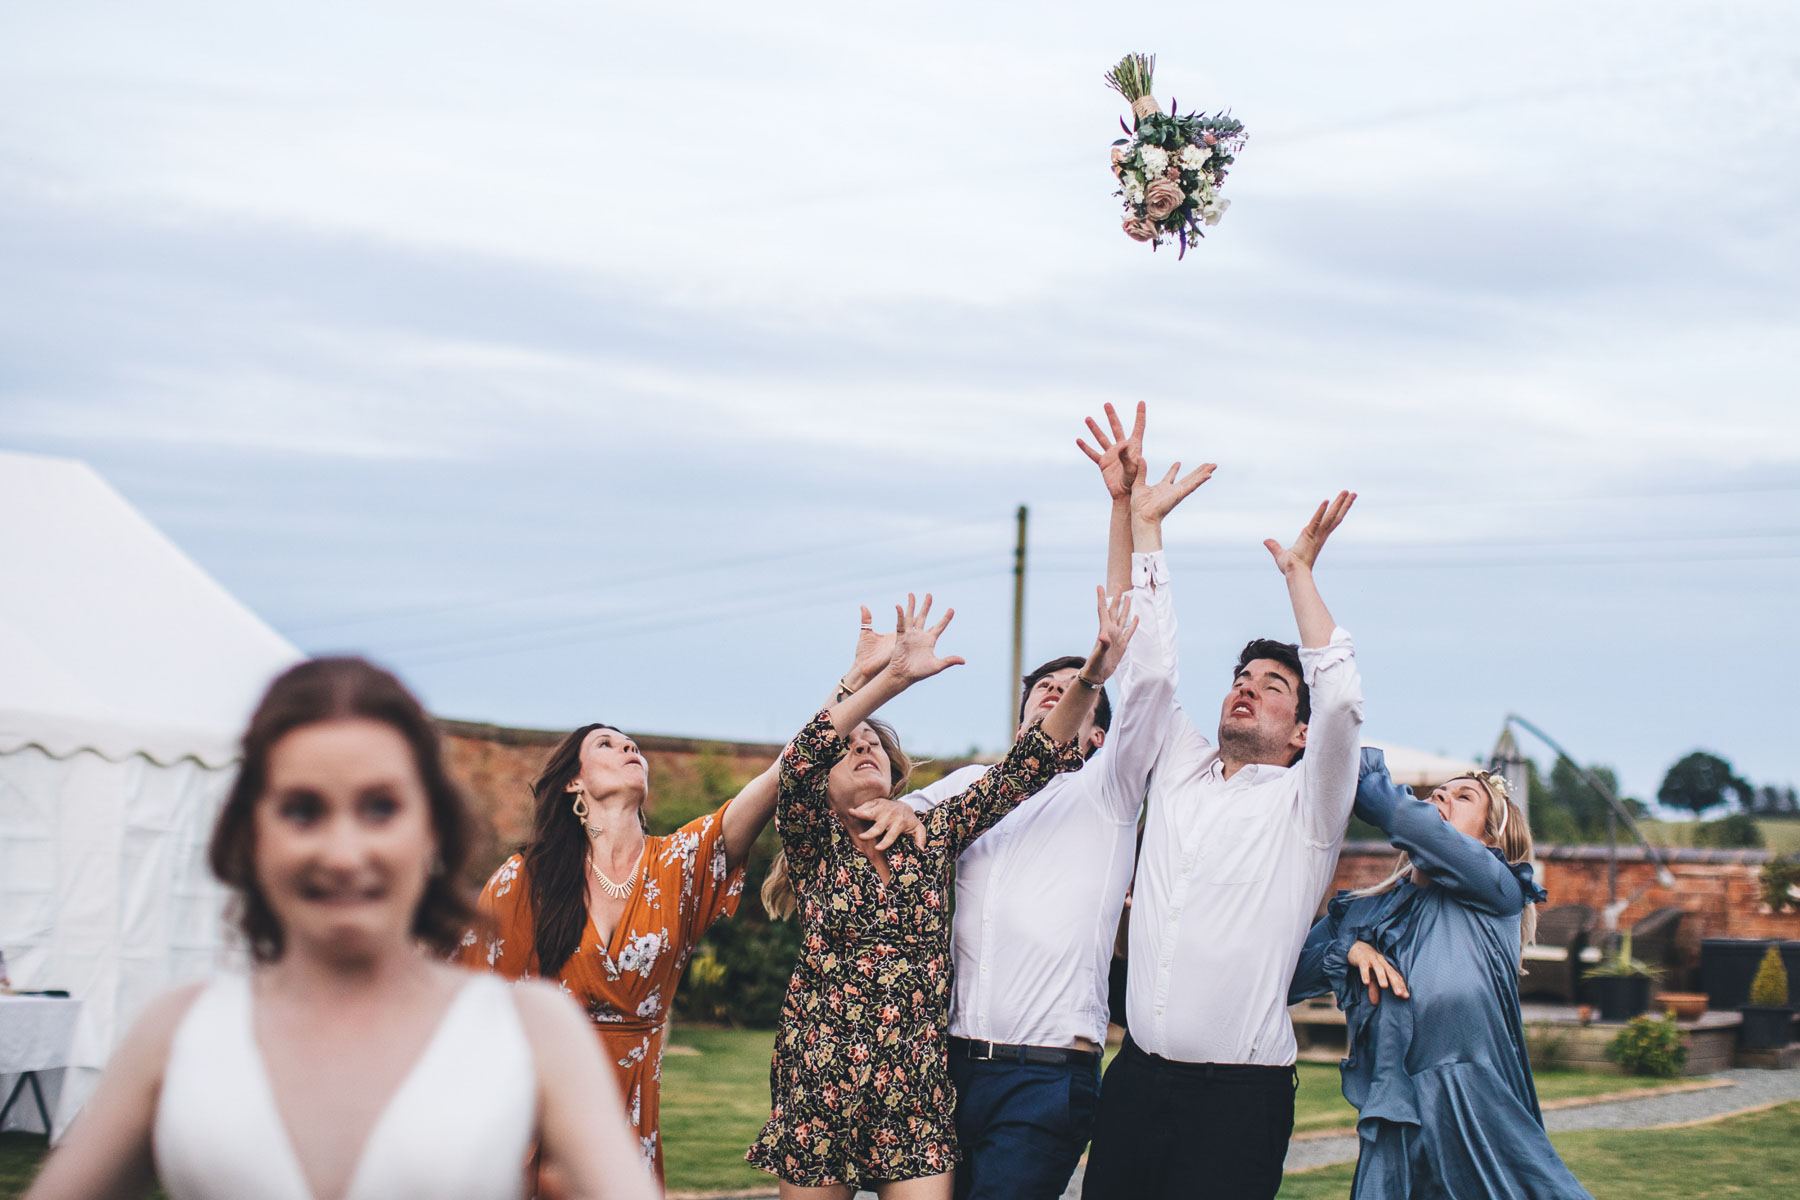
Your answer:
<point x="1169" y="167"/>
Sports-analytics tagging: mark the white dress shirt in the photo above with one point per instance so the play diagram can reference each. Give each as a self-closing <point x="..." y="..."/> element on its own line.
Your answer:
<point x="1038" y="895"/>
<point x="1230" y="874"/>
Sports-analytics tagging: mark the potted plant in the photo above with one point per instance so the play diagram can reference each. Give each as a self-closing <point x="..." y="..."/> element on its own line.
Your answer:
<point x="1768" y="1021"/>
<point x="1622" y="984"/>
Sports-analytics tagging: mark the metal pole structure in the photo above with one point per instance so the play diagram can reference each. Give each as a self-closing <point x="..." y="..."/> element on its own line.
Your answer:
<point x="1018" y="646"/>
<point x="1663" y="874"/>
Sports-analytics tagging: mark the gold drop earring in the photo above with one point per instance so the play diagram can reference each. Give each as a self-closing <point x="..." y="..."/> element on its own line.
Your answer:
<point x="580" y="806"/>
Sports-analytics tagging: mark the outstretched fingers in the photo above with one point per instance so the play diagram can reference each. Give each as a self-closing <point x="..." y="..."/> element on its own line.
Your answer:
<point x="1184" y="487"/>
<point x="1340" y="508"/>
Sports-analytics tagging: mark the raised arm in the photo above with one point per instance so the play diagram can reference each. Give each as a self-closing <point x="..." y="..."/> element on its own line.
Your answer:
<point x="913" y="657"/>
<point x="1475" y="873"/>
<point x="751" y="809"/>
<point x="1046" y="748"/>
<point x="1148" y="673"/>
<point x="1328" y="661"/>
<point x="1117" y="457"/>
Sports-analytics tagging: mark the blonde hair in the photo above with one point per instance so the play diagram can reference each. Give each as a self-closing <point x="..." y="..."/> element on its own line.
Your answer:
<point x="1505" y="828"/>
<point x="778" y="895"/>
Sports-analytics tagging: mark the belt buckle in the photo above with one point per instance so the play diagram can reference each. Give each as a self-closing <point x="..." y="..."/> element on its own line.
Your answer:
<point x="981" y="1051"/>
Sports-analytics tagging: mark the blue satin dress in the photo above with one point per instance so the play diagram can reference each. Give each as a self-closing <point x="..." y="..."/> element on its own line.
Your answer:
<point x="1441" y="1080"/>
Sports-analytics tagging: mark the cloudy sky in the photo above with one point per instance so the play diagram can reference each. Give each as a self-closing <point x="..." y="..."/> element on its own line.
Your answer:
<point x="593" y="361"/>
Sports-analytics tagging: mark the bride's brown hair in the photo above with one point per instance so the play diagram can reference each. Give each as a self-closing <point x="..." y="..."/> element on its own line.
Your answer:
<point x="330" y="689"/>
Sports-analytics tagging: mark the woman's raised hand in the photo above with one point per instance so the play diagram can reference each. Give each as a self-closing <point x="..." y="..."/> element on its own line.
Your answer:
<point x="1377" y="972"/>
<point x="914" y="655"/>
<point x="1116" y="627"/>
<point x="872" y="652"/>
<point x="1305" y="550"/>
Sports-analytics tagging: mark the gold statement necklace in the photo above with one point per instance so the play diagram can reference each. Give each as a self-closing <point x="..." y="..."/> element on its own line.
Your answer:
<point x="618" y="891"/>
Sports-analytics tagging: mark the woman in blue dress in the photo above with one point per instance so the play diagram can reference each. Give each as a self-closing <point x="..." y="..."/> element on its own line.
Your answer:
<point x="1425" y="966"/>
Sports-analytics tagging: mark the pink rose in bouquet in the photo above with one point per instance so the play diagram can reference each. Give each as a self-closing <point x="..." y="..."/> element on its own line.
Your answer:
<point x="1162" y="198"/>
<point x="1140" y="230"/>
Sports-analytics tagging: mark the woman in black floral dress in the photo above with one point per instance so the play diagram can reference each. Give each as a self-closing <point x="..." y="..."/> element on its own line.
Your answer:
<point x="860" y="1085"/>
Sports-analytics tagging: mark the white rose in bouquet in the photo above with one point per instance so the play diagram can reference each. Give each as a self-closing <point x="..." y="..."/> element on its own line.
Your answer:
<point x="1214" y="210"/>
<point x="1194" y="157"/>
<point x="1154" y="158"/>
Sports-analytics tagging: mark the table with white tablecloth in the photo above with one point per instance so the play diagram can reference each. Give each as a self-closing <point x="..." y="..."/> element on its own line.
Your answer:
<point x="50" y="1037"/>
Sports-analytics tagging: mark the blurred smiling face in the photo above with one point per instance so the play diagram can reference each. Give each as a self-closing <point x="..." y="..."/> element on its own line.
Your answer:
<point x="344" y="841"/>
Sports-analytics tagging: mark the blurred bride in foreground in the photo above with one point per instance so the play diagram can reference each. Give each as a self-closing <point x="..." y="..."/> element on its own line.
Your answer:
<point x="353" y="1063"/>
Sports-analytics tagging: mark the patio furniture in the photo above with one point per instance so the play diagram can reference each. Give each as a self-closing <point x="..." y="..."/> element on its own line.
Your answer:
<point x="1552" y="962"/>
<point x="1653" y="938"/>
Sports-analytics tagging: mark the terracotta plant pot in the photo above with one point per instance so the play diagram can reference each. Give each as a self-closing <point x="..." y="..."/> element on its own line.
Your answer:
<point x="1687" y="1006"/>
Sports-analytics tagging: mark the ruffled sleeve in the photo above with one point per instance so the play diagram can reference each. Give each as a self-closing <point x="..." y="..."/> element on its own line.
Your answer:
<point x="1031" y="763"/>
<point x="1529" y="887"/>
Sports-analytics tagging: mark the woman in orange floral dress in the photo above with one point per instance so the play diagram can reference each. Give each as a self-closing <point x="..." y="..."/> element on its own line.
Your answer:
<point x="612" y="912"/>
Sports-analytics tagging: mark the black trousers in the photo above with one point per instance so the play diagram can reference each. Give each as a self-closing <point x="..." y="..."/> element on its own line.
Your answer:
<point x="1174" y="1130"/>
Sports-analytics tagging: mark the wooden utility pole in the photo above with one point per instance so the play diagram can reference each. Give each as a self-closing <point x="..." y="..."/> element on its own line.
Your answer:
<point x="1018" y="654"/>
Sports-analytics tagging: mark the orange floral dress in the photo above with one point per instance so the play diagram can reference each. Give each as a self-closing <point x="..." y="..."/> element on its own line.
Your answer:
<point x="627" y="985"/>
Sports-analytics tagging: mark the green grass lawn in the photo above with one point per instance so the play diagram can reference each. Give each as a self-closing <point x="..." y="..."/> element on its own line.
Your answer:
<point x="1754" y="1157"/>
<point x="715" y="1101"/>
<point x="1783" y="837"/>
<point x="714" y="1104"/>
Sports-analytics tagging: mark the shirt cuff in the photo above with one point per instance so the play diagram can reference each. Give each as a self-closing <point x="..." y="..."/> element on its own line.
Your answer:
<point x="1314" y="660"/>
<point x="1149" y="569"/>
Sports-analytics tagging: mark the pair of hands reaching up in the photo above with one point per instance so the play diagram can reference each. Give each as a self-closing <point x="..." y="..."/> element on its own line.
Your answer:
<point x="887" y="663"/>
<point x="1128" y="479"/>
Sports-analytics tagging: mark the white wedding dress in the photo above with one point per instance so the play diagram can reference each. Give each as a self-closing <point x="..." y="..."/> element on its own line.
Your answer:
<point x="459" y="1127"/>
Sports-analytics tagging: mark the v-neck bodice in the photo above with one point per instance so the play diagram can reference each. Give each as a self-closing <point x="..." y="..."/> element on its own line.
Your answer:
<point x="458" y="1127"/>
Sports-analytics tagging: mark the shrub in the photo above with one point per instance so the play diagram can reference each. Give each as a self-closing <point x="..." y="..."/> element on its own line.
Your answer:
<point x="1739" y="831"/>
<point x="1781" y="884"/>
<point x="1770" y="987"/>
<point x="1649" y="1046"/>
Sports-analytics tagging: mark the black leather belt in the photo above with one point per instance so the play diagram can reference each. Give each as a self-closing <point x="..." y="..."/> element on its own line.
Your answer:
<point x="1037" y="1056"/>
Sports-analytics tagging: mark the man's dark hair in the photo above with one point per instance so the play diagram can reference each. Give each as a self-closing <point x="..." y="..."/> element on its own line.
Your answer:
<point x="1102" y="706"/>
<point x="1288" y="655"/>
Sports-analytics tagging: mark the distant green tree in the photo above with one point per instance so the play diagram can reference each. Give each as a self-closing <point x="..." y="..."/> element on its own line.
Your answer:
<point x="1772" y="801"/>
<point x="1702" y="781"/>
<point x="1567" y="808"/>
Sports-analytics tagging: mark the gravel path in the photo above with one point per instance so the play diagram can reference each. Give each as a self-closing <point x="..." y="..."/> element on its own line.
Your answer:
<point x="1750" y="1088"/>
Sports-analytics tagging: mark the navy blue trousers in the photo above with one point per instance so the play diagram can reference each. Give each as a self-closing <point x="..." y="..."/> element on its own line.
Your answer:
<point x="1020" y="1129"/>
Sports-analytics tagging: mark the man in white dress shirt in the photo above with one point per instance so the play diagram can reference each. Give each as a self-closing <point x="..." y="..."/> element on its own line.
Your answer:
<point x="1240" y="842"/>
<point x="1038" y="896"/>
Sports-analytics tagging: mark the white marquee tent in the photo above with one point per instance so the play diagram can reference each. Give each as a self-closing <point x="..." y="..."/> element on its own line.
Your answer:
<point x="126" y="676"/>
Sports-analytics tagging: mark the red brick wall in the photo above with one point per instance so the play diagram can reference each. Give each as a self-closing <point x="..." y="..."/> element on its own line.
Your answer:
<point x="1719" y="889"/>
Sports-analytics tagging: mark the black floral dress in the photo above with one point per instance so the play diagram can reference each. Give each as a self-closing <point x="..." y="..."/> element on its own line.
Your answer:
<point x="860" y="1085"/>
